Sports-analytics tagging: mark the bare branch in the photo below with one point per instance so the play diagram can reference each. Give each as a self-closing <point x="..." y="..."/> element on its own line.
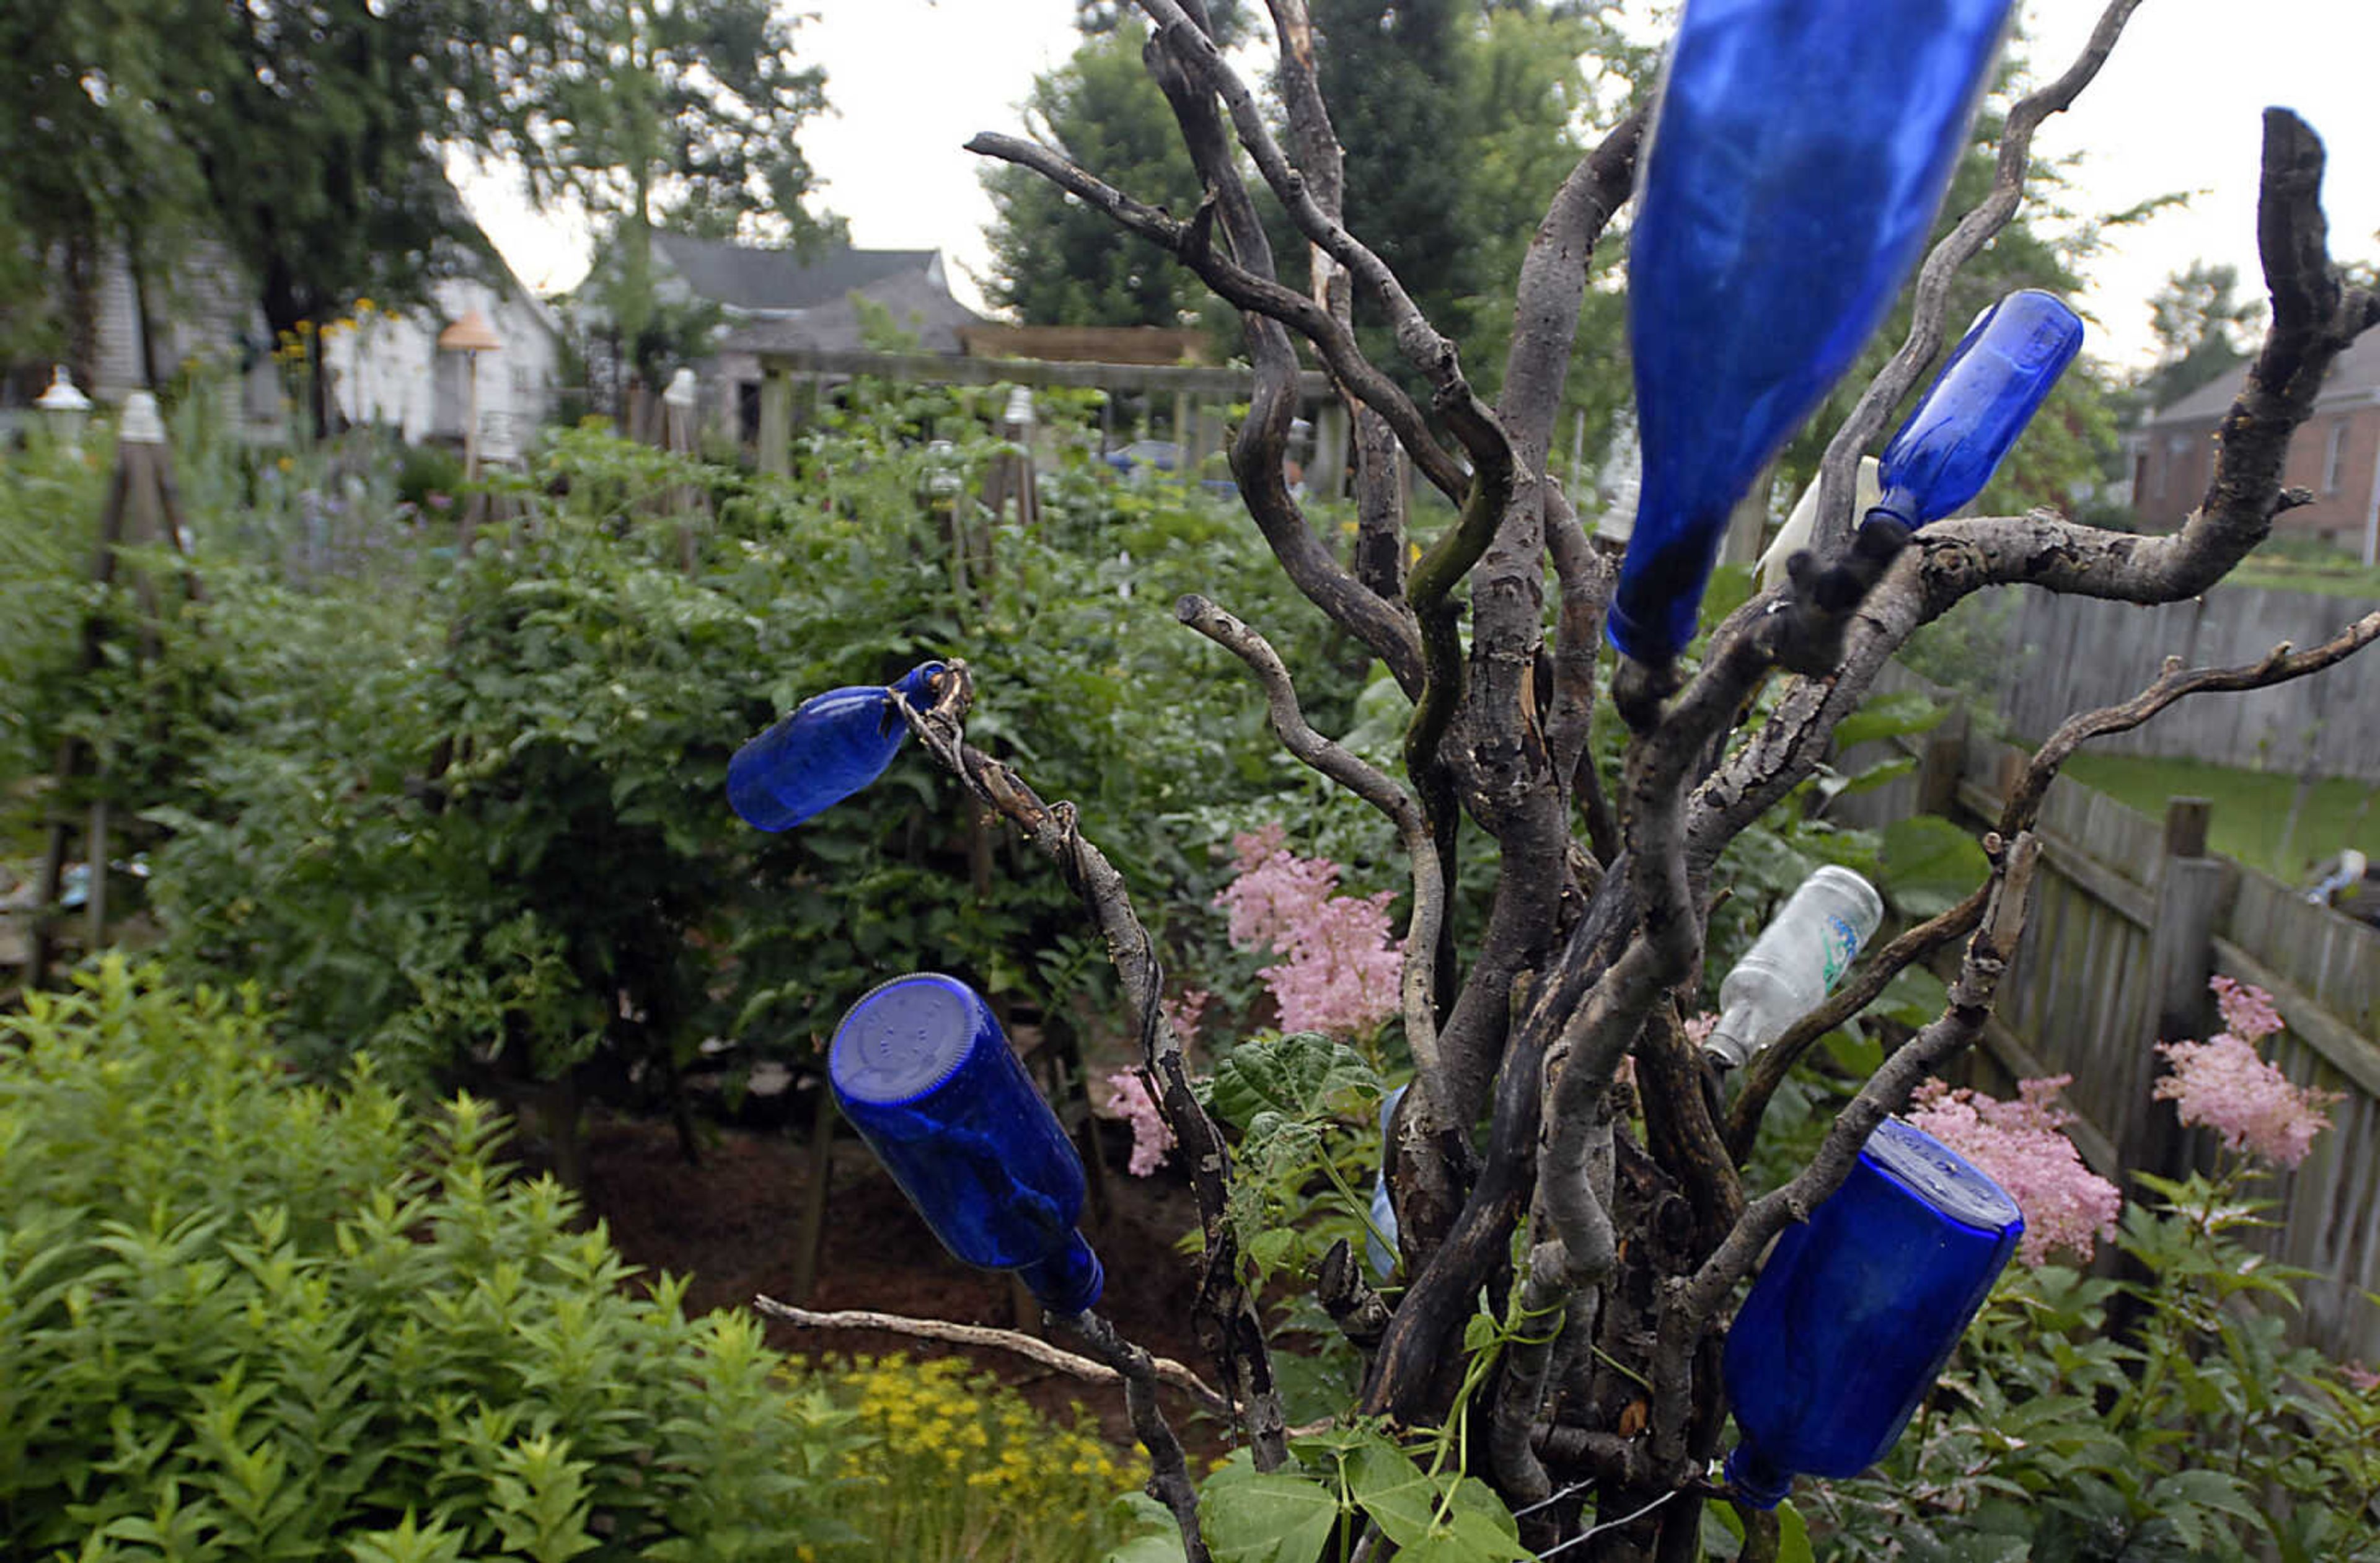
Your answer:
<point x="1422" y="346"/>
<point x="1380" y="468"/>
<point x="1960" y="246"/>
<point x="1169" y="1477"/>
<point x="1030" y="1347"/>
<point x="2316" y="316"/>
<point x="1554" y="281"/>
<point x="1237" y="1335"/>
<point x="1245" y="289"/>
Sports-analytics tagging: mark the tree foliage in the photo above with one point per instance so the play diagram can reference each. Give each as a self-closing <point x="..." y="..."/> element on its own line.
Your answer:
<point x="1056" y="261"/>
<point x="2200" y="324"/>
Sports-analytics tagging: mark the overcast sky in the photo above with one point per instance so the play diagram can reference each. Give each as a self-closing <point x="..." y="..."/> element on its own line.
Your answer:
<point x="2176" y="109"/>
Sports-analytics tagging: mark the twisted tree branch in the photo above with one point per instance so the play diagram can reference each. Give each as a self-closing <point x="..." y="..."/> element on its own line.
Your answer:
<point x="1032" y="1348"/>
<point x="1223" y="1306"/>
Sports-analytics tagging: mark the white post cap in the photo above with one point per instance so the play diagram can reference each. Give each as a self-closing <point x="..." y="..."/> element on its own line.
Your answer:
<point x="141" y="425"/>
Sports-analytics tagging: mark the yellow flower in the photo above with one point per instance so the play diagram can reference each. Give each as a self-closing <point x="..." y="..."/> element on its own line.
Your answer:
<point x="365" y="306"/>
<point x="285" y="463"/>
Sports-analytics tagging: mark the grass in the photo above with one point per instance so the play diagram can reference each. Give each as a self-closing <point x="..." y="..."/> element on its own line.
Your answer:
<point x="2251" y="817"/>
<point x="2283" y="574"/>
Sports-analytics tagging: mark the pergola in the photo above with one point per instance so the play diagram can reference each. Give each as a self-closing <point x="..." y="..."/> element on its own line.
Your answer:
<point x="1199" y="393"/>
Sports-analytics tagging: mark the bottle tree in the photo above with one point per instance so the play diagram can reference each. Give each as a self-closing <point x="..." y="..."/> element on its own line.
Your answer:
<point x="1599" y="1211"/>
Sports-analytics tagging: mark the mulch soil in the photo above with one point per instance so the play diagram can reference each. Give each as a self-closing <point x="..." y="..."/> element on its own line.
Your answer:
<point x="730" y="1224"/>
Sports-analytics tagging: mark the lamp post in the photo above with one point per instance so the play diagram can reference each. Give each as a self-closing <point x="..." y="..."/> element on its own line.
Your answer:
<point x="470" y="337"/>
<point x="64" y="409"/>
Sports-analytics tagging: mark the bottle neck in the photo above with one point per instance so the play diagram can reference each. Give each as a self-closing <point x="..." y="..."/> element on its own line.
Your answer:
<point x="1069" y="1280"/>
<point x="1730" y="1043"/>
<point x="1761" y="1484"/>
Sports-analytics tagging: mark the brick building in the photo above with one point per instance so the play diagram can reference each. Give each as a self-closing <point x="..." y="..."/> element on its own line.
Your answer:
<point x="2336" y="455"/>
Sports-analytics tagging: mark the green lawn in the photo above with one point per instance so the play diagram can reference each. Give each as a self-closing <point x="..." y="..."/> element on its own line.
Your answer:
<point x="2251" y="808"/>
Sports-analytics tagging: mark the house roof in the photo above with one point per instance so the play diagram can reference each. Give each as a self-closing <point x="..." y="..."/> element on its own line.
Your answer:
<point x="755" y="281"/>
<point x="918" y="302"/>
<point x="2354" y="377"/>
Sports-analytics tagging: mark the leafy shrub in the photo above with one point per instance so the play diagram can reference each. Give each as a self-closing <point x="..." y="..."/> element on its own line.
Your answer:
<point x="245" y="1317"/>
<point x="473" y="815"/>
<point x="960" y="1466"/>
<point x="2164" y="1416"/>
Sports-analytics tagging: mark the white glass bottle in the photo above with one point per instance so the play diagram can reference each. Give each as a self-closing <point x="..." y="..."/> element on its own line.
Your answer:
<point x="1796" y="959"/>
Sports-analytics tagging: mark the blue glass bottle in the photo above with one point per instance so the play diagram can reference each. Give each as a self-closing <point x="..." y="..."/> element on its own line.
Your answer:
<point x="830" y="748"/>
<point x="921" y="1068"/>
<point x="1798" y="154"/>
<point x="1857" y="1310"/>
<point x="1995" y="382"/>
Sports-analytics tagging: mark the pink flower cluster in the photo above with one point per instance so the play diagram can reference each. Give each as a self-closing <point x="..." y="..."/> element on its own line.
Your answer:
<point x="1185" y="1011"/>
<point x="1128" y="1099"/>
<point x="2020" y="1144"/>
<point x="2222" y="1084"/>
<point x="1340" y="966"/>
<point x="2248" y="1012"/>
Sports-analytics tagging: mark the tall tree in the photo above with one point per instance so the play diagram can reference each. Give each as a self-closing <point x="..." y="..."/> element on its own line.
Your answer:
<point x="1056" y="261"/>
<point x="317" y="131"/>
<point x="2201" y="324"/>
<point x="682" y="114"/>
<point x="89" y="161"/>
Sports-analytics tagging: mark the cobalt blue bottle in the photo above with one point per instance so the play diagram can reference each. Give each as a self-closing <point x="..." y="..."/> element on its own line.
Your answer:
<point x="1997" y="379"/>
<point x="1800" y="152"/>
<point x="921" y="1068"/>
<point x="830" y="748"/>
<point x="1857" y="1310"/>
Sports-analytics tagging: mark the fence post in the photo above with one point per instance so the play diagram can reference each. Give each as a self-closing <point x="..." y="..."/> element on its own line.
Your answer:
<point x="2189" y="890"/>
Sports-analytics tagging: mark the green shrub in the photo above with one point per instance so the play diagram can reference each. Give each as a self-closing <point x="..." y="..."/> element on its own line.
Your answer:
<point x="245" y="1317"/>
<point x="470" y="819"/>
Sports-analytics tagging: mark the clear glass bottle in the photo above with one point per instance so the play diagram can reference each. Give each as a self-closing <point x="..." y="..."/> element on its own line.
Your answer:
<point x="831" y="746"/>
<point x="922" y="1069"/>
<point x="1858" y="1308"/>
<point x="1798" y="957"/>
<point x="1794" y="167"/>
<point x="1995" y="380"/>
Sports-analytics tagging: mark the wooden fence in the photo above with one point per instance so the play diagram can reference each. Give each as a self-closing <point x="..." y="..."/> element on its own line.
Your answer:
<point x="2130" y="919"/>
<point x="2072" y="653"/>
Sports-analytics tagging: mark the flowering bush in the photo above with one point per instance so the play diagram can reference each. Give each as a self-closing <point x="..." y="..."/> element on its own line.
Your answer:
<point x="2195" y="1429"/>
<point x="2222" y="1084"/>
<point x="2022" y="1145"/>
<point x="957" y="1466"/>
<point x="1340" y="969"/>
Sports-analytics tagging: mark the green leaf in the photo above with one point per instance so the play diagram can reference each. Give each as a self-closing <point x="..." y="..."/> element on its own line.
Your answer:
<point x="1392" y="1490"/>
<point x="1160" y="1540"/>
<point x="1888" y="715"/>
<point x="1930" y="864"/>
<point x="1250" y="1518"/>
<point x="1304" y="1076"/>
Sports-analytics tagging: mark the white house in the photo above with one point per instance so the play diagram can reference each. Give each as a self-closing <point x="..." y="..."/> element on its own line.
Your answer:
<point x="385" y="367"/>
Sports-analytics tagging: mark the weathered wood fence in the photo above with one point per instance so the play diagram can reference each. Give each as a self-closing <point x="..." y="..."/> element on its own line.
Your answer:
<point x="2131" y="917"/>
<point x="2072" y="653"/>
